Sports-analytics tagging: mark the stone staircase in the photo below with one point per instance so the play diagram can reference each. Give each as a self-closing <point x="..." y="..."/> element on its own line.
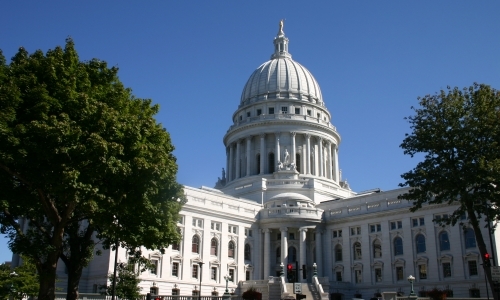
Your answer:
<point x="308" y="289"/>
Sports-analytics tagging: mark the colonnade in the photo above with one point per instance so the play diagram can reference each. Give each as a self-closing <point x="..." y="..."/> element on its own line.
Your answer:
<point x="313" y="159"/>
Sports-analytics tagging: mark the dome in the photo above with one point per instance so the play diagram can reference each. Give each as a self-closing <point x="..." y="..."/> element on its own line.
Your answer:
<point x="281" y="77"/>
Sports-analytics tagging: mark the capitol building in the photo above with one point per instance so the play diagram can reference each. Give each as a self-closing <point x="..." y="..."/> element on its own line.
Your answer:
<point x="281" y="201"/>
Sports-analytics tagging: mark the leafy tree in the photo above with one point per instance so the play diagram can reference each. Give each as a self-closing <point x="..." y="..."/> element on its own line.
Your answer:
<point x="458" y="131"/>
<point x="127" y="283"/>
<point x="19" y="283"/>
<point x="82" y="161"/>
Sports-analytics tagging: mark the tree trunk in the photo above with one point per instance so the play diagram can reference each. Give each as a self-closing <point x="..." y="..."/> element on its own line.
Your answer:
<point x="47" y="273"/>
<point x="73" y="283"/>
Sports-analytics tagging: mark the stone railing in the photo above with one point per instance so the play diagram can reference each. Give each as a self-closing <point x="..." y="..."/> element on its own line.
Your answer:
<point x="298" y="212"/>
<point x="283" y="117"/>
<point x="319" y="288"/>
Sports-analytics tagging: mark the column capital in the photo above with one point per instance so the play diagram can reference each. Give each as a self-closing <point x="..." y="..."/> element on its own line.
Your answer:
<point x="319" y="139"/>
<point x="284" y="229"/>
<point x="262" y="135"/>
<point x="293" y="133"/>
<point x="248" y="138"/>
<point x="308" y="136"/>
<point x="303" y="229"/>
<point x="266" y="230"/>
<point x="329" y="143"/>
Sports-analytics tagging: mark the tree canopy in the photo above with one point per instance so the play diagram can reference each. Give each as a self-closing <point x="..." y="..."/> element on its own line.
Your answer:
<point x="82" y="161"/>
<point x="458" y="131"/>
<point x="20" y="282"/>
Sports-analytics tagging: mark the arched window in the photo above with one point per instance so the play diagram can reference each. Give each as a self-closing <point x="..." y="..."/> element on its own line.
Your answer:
<point x="195" y="245"/>
<point x="356" y="250"/>
<point x="420" y="243"/>
<point x="258" y="163"/>
<point x="444" y="242"/>
<point x="292" y="254"/>
<point x="271" y="162"/>
<point x="230" y="249"/>
<point x="278" y="255"/>
<point x="398" y="246"/>
<point x="247" y="252"/>
<point x="297" y="162"/>
<point x="338" y="252"/>
<point x="214" y="245"/>
<point x="470" y="238"/>
<point x="377" y="249"/>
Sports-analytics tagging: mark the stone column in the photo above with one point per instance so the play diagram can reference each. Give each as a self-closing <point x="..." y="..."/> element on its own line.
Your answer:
<point x="293" y="148"/>
<point x="249" y="146"/>
<point x="308" y="154"/>
<point x="263" y="155"/>
<point x="321" y="163"/>
<point x="330" y="161"/>
<point x="284" y="245"/>
<point x="238" y="157"/>
<point x="336" y="153"/>
<point x="230" y="172"/>
<point x="302" y="249"/>
<point x="228" y="159"/>
<point x="267" y="252"/>
<point x="319" y="258"/>
<point x="278" y="156"/>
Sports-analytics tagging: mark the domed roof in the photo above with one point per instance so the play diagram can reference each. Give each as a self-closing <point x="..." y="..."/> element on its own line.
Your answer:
<point x="281" y="77"/>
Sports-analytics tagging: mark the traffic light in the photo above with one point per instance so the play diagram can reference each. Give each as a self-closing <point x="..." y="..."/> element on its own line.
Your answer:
<point x="304" y="272"/>
<point x="487" y="259"/>
<point x="289" y="273"/>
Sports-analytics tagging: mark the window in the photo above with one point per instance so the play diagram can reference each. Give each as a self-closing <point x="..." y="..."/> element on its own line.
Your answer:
<point x="338" y="276"/>
<point x="420" y="243"/>
<point x="195" y="271"/>
<point x="215" y="293"/>
<point x="446" y="269"/>
<point x="337" y="233"/>
<point x="357" y="276"/>
<point x="215" y="226"/>
<point x="233" y="229"/>
<point x="230" y="249"/>
<point x="231" y="275"/>
<point x="297" y="111"/>
<point x="176" y="247"/>
<point x="194" y="293"/>
<point x="214" y="246"/>
<point x="259" y="111"/>
<point x="241" y="117"/>
<point x="470" y="238"/>
<point x="175" y="269"/>
<point x="154" y="267"/>
<point x="248" y="232"/>
<point x="338" y="253"/>
<point x="377" y="249"/>
<point x="355" y="230"/>
<point x="398" y="246"/>
<point x="247" y="275"/>
<point x="396" y="225"/>
<point x="153" y="290"/>
<point x="375" y="228"/>
<point x="378" y="275"/>
<point x="213" y="273"/>
<point x="197" y="223"/>
<point x="357" y="250"/>
<point x="309" y="112"/>
<point x="292" y="254"/>
<point x="441" y="217"/>
<point x="284" y="110"/>
<point x="400" y="274"/>
<point x="422" y="271"/>
<point x="418" y="222"/>
<point x="180" y="220"/>
<point x="318" y="115"/>
<point x="248" y="114"/>
<point x="195" y="246"/>
<point x="176" y="292"/>
<point x="271" y="110"/>
<point x="278" y="236"/>
<point x="291" y="235"/>
<point x="472" y="268"/>
<point x="444" y="242"/>
<point x="247" y="252"/>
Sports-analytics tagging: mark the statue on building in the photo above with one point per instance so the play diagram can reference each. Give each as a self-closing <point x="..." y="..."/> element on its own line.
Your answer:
<point x="280" y="32"/>
<point x="286" y="158"/>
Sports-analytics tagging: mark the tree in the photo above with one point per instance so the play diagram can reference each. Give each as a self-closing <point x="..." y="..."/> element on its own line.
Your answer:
<point x="458" y="131"/>
<point x="19" y="283"/>
<point x="82" y="161"/>
<point x="127" y="283"/>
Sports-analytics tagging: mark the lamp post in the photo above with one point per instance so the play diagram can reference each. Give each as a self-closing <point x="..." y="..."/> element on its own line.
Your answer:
<point x="12" y="289"/>
<point x="315" y="270"/>
<point x="113" y="294"/>
<point x="411" y="279"/>
<point x="282" y="272"/>
<point x="201" y="274"/>
<point x="226" y="293"/>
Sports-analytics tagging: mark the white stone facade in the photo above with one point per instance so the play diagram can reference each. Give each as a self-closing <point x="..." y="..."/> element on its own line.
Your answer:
<point x="281" y="199"/>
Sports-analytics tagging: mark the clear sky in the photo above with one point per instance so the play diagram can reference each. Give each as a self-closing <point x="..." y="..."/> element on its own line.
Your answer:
<point x="372" y="59"/>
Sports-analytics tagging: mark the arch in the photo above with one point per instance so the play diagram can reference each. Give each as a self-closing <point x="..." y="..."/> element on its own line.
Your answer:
<point x="270" y="162"/>
<point x="292" y="254"/>
<point x="470" y="238"/>
<point x="248" y="252"/>
<point x="444" y="241"/>
<point x="420" y="243"/>
<point x="356" y="250"/>
<point x="377" y="249"/>
<point x="297" y="162"/>
<point x="257" y="159"/>
<point x="338" y="252"/>
<point x="231" y="247"/>
<point x="398" y="246"/>
<point x="214" y="247"/>
<point x="195" y="244"/>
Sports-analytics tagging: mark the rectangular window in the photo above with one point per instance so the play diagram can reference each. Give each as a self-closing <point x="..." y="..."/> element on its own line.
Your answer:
<point x="175" y="269"/>
<point x="297" y="111"/>
<point x="176" y="246"/>
<point x="231" y="275"/>
<point x="180" y="220"/>
<point x="446" y="269"/>
<point x="338" y="275"/>
<point x="422" y="271"/>
<point x="270" y="110"/>
<point x="378" y="275"/>
<point x="399" y="274"/>
<point x="195" y="271"/>
<point x="375" y="228"/>
<point x="248" y="114"/>
<point x="248" y="232"/>
<point x="355" y="230"/>
<point x="175" y="292"/>
<point x="418" y="222"/>
<point x="197" y="223"/>
<point x="241" y="117"/>
<point x="318" y="115"/>
<point x="472" y="268"/>
<point x="357" y="276"/>
<point x="213" y="273"/>
<point x="215" y="226"/>
<point x="259" y="111"/>
<point x="154" y="267"/>
<point x="233" y="229"/>
<point x="309" y="112"/>
<point x="337" y="233"/>
<point x="284" y="110"/>
<point x="291" y="236"/>
<point x="247" y="275"/>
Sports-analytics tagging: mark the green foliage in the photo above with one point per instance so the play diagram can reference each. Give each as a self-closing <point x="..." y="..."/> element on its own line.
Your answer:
<point x="20" y="282"/>
<point x="251" y="294"/>
<point x="80" y="157"/>
<point x="127" y="283"/>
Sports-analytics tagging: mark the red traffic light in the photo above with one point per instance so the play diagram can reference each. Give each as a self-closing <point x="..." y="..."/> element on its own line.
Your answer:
<point x="486" y="256"/>
<point x="289" y="267"/>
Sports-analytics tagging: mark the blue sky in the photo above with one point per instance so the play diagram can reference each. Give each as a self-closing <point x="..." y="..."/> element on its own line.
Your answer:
<point x="372" y="60"/>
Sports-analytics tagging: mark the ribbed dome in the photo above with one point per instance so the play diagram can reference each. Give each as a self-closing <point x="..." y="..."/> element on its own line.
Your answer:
<point x="282" y="77"/>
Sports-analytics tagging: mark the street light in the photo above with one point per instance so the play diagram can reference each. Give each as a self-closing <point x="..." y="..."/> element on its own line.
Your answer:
<point x="315" y="270"/>
<point x="282" y="272"/>
<point x="201" y="274"/>
<point x="411" y="279"/>
<point x="227" y="279"/>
